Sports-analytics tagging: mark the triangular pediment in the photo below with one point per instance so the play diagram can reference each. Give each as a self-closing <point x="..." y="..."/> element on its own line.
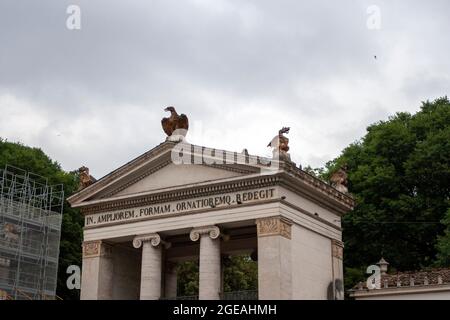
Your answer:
<point x="155" y="170"/>
<point x="155" y="175"/>
<point x="174" y="175"/>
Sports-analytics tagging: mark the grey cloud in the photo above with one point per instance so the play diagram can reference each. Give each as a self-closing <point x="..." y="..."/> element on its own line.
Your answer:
<point x="305" y="64"/>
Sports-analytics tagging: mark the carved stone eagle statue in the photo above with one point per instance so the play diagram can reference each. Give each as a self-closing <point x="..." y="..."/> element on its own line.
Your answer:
<point x="279" y="145"/>
<point x="280" y="142"/>
<point x="339" y="179"/>
<point x="85" y="178"/>
<point x="176" y="124"/>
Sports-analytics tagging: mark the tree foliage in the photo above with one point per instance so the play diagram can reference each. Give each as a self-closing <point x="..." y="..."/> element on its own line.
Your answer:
<point x="187" y="274"/>
<point x="36" y="161"/>
<point x="399" y="174"/>
<point x="443" y="245"/>
<point x="240" y="273"/>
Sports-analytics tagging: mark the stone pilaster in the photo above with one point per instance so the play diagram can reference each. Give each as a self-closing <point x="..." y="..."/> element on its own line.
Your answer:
<point x="97" y="271"/>
<point x="210" y="262"/>
<point x="151" y="266"/>
<point x="274" y="258"/>
<point x="337" y="250"/>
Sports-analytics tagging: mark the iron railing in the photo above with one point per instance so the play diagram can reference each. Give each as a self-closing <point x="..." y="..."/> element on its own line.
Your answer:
<point x="233" y="295"/>
<point x="240" y="295"/>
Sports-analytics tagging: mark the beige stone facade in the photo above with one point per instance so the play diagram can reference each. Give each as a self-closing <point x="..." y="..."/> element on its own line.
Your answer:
<point x="143" y="218"/>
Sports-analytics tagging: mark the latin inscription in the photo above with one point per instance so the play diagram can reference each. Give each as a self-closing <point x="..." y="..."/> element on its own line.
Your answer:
<point x="181" y="206"/>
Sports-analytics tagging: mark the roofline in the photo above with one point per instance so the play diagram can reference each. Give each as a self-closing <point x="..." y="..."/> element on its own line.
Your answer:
<point x="118" y="170"/>
<point x="292" y="172"/>
<point x="398" y="290"/>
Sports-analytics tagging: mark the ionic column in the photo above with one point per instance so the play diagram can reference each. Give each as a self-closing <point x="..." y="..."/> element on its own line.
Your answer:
<point x="151" y="266"/>
<point x="97" y="271"/>
<point x="210" y="263"/>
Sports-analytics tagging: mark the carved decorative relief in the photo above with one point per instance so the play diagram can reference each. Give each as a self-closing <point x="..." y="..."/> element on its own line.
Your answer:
<point x="337" y="248"/>
<point x="96" y="249"/>
<point x="212" y="231"/>
<point x="274" y="226"/>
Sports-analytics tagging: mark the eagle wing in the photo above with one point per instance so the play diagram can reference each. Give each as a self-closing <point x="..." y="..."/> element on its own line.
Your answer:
<point x="183" y="122"/>
<point x="167" y="126"/>
<point x="275" y="142"/>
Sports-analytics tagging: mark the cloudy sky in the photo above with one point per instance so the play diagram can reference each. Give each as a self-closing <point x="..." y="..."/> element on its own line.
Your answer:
<point x="240" y="69"/>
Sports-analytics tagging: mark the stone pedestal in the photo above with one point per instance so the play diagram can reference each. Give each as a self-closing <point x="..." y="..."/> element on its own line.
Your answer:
<point x="210" y="262"/>
<point x="274" y="259"/>
<point x="151" y="267"/>
<point x="97" y="271"/>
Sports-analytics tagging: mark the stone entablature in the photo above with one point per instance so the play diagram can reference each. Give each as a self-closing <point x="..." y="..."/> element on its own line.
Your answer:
<point x="202" y="190"/>
<point x="288" y="175"/>
<point x="189" y="206"/>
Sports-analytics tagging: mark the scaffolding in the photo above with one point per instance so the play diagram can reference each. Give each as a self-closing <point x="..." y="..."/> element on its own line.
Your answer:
<point x="30" y="229"/>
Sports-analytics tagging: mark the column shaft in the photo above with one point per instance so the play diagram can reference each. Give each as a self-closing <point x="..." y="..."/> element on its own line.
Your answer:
<point x="210" y="273"/>
<point x="210" y="262"/>
<point x="151" y="272"/>
<point x="170" y="276"/>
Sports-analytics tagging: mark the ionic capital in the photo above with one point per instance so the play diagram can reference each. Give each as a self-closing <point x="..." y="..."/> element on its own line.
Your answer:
<point x="153" y="238"/>
<point x="212" y="231"/>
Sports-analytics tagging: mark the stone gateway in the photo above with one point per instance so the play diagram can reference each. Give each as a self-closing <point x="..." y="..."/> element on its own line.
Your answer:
<point x="150" y="214"/>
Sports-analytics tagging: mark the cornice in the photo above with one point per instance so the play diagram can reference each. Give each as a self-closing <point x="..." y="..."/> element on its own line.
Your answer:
<point x="167" y="162"/>
<point x="318" y="188"/>
<point x="183" y="193"/>
<point x="214" y="188"/>
<point x="288" y="176"/>
<point x="99" y="184"/>
<point x="310" y="214"/>
<point x="399" y="290"/>
<point x="141" y="172"/>
<point x="145" y="174"/>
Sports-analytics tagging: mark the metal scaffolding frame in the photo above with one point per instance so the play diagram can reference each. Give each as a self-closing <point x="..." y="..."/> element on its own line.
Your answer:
<point x="30" y="230"/>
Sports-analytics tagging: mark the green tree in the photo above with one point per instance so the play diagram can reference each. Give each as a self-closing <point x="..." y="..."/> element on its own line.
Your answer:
<point x="187" y="274"/>
<point x="443" y="245"/>
<point x="36" y="161"/>
<point x="240" y="273"/>
<point x="399" y="174"/>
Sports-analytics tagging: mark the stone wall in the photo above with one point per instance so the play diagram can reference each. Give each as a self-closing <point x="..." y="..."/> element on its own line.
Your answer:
<point x="311" y="264"/>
